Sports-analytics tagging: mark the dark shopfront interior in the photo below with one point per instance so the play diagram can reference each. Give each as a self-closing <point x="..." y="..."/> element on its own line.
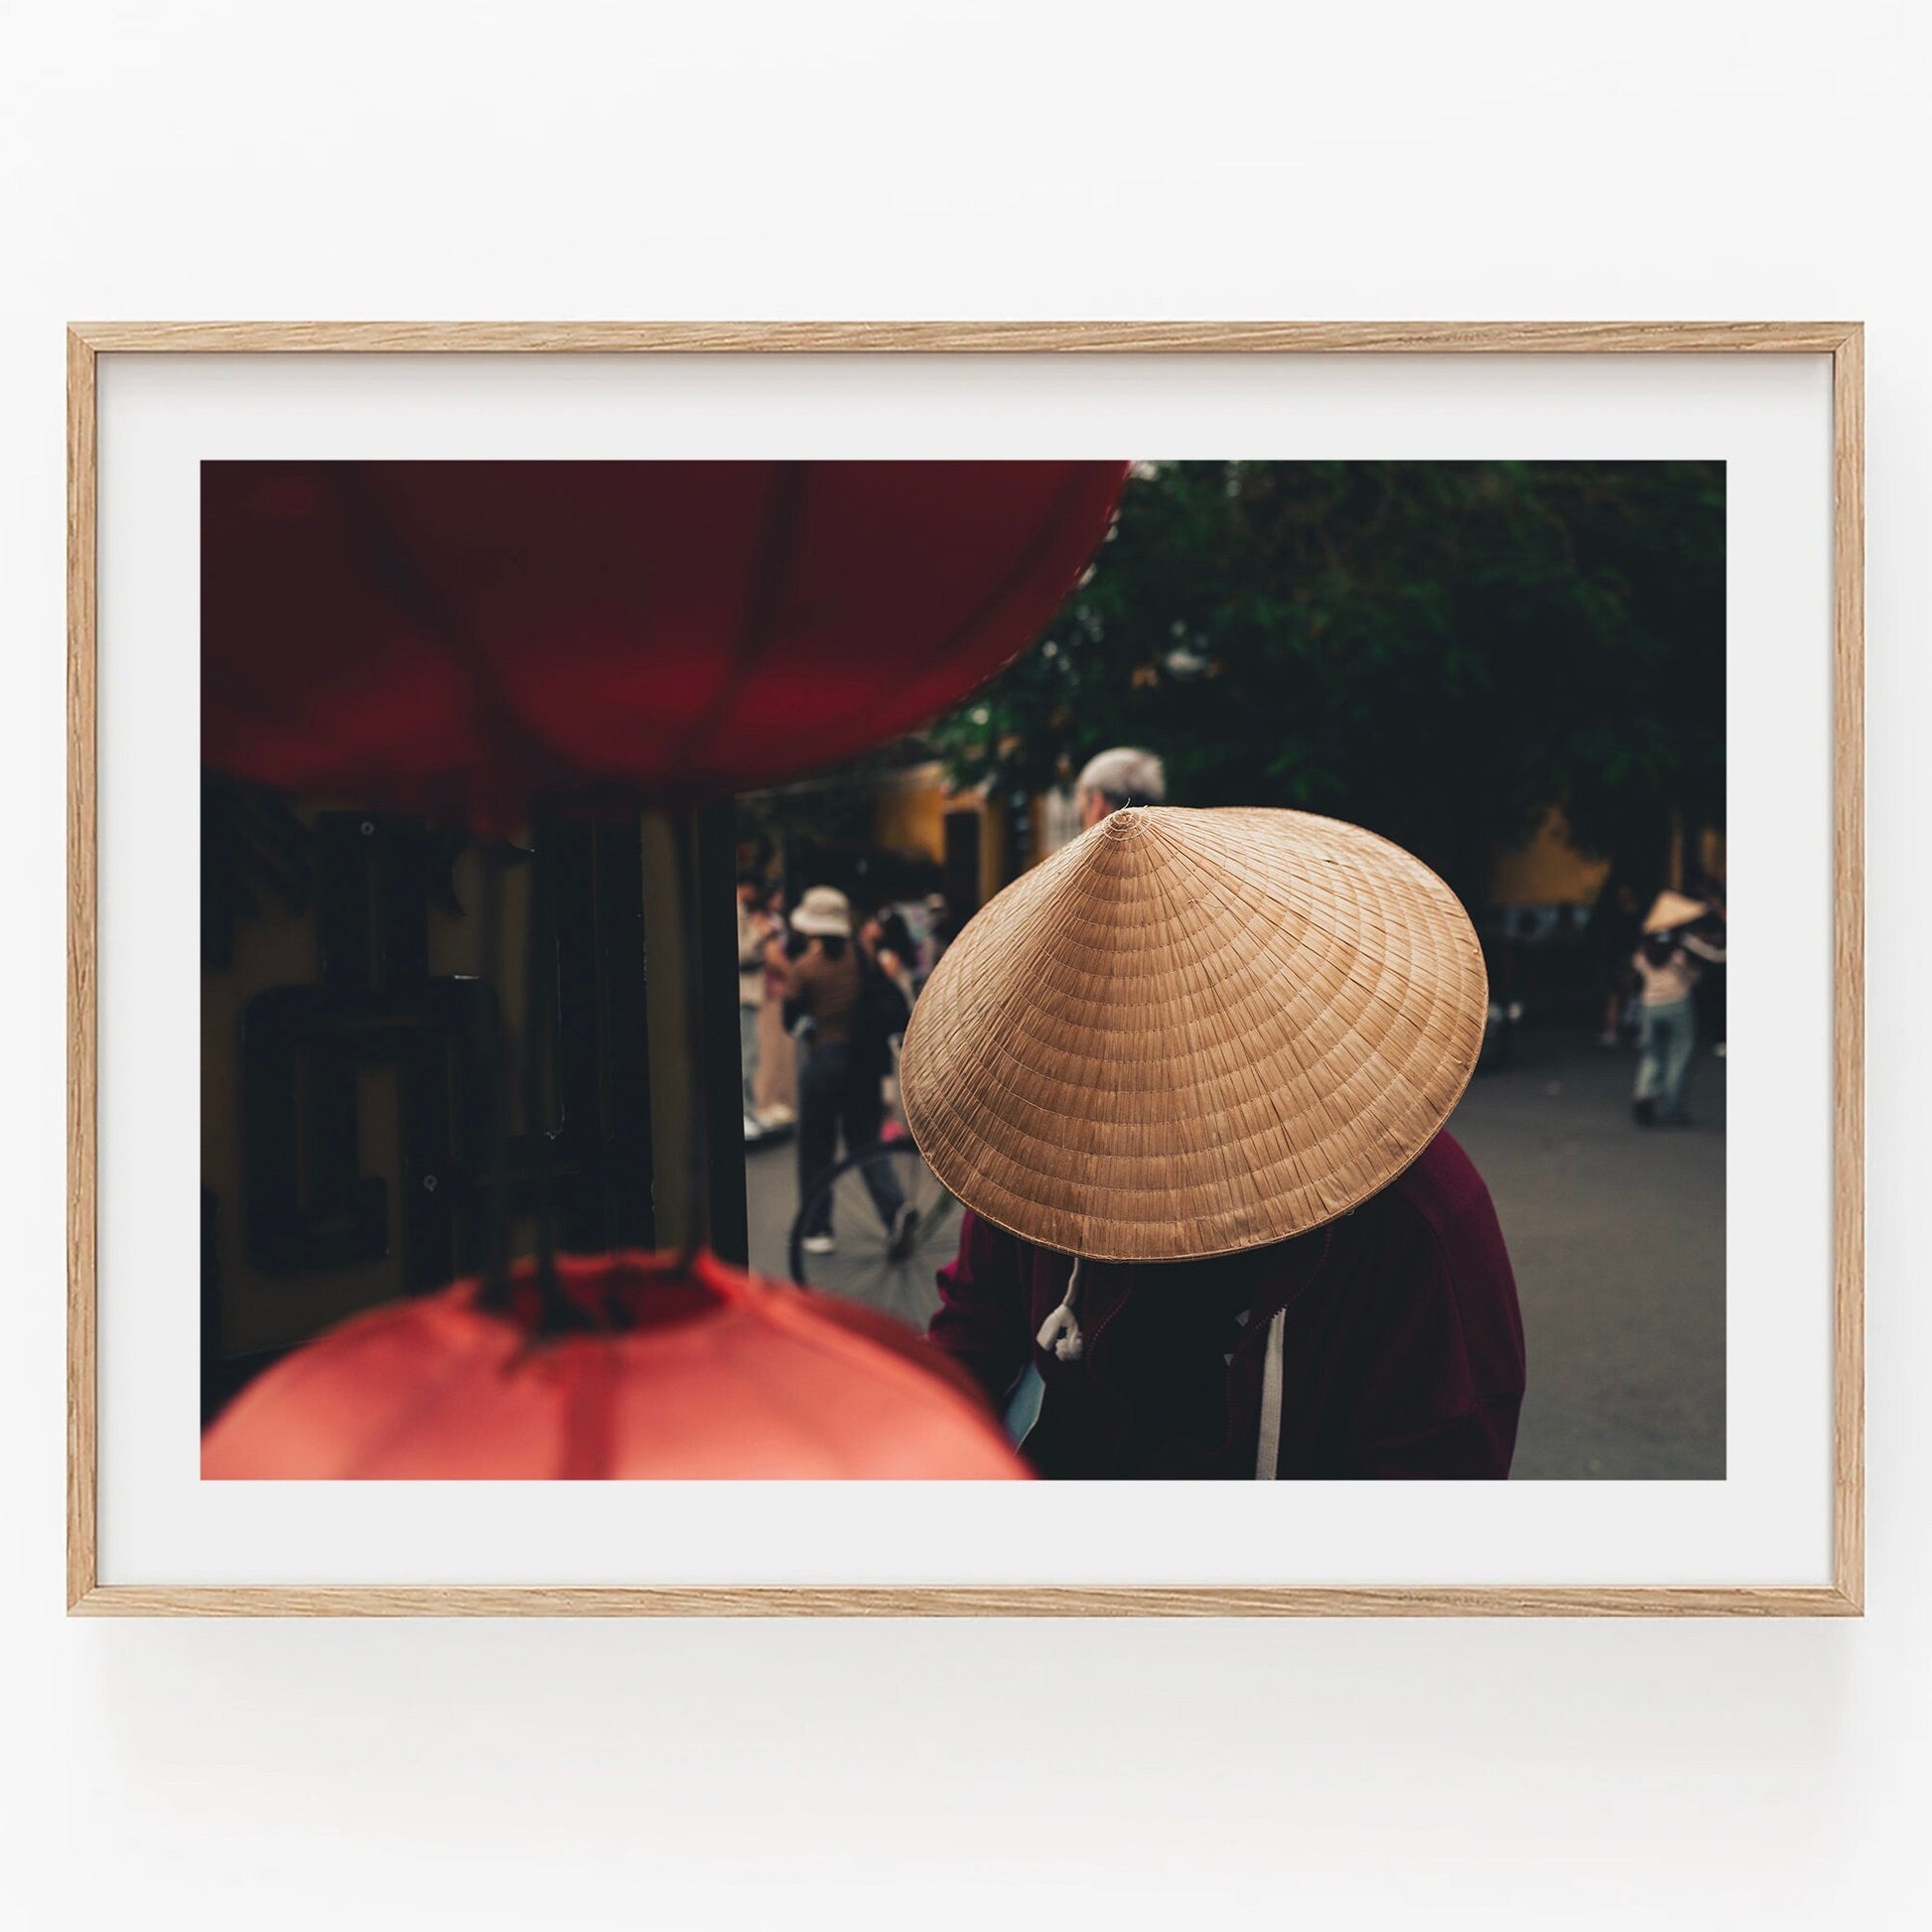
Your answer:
<point x="353" y="1031"/>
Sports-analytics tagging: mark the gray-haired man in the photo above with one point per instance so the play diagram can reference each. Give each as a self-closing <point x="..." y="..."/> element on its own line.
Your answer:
<point x="1126" y="775"/>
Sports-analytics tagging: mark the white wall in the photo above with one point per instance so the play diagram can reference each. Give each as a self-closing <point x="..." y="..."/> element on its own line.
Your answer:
<point x="1004" y="158"/>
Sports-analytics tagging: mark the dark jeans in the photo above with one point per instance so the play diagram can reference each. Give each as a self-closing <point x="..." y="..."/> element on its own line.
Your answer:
<point x="833" y="1099"/>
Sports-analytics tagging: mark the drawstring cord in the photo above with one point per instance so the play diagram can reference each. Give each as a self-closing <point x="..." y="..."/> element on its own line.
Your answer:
<point x="1060" y="1335"/>
<point x="1060" y="1331"/>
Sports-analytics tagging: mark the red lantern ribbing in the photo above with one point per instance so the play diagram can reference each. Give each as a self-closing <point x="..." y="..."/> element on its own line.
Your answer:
<point x="454" y="636"/>
<point x="688" y="1372"/>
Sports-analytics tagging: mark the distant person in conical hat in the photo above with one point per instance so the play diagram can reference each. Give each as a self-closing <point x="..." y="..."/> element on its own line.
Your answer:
<point x="1188" y="1077"/>
<point x="1681" y="935"/>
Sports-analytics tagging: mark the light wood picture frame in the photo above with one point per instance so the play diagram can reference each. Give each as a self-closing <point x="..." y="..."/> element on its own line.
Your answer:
<point x="1840" y="343"/>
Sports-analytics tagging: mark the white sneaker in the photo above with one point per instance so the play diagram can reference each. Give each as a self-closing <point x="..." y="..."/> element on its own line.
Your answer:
<point x="819" y="1244"/>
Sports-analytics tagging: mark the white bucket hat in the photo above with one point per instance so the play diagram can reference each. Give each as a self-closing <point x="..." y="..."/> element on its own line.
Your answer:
<point x="824" y="913"/>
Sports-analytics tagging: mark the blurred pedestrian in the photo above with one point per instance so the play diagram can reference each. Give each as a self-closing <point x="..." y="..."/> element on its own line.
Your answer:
<point x="1110" y="780"/>
<point x="1669" y="962"/>
<point x="776" y="1096"/>
<point x="888" y="942"/>
<point x="840" y="1085"/>
<point x="753" y="929"/>
<point x="940" y="930"/>
<point x="1714" y="989"/>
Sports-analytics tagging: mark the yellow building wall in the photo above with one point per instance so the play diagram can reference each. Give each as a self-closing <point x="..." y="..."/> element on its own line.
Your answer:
<point x="1714" y="853"/>
<point x="909" y="813"/>
<point x="1707" y="857"/>
<point x="1548" y="871"/>
<point x="994" y="859"/>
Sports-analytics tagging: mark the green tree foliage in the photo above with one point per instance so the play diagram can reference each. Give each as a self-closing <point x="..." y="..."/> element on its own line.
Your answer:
<point x="1437" y="650"/>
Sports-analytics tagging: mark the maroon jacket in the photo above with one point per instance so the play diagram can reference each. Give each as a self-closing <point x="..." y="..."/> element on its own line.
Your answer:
<point x="1402" y="1342"/>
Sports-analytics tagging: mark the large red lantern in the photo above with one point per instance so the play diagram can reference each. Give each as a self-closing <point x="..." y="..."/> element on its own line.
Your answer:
<point x="457" y="635"/>
<point x="694" y="1370"/>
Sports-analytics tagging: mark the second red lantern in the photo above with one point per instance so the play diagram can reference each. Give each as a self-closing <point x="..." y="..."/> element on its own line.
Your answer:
<point x="696" y="1370"/>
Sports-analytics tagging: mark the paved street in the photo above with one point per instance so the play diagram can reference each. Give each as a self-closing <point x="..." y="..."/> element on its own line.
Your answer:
<point x="1617" y="1237"/>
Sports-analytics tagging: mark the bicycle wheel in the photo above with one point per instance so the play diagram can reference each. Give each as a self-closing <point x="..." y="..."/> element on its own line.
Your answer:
<point x="897" y="1277"/>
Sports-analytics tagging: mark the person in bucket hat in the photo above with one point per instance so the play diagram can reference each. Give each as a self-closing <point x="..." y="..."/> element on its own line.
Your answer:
<point x="839" y="1084"/>
<point x="1188" y="1078"/>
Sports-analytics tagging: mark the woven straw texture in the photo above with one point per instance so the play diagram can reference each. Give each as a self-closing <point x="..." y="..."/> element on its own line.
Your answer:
<point x="1194" y="1031"/>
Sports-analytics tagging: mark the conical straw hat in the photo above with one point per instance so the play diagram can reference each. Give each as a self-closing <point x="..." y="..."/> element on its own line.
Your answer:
<point x="1194" y="1031"/>
<point x="1673" y="910"/>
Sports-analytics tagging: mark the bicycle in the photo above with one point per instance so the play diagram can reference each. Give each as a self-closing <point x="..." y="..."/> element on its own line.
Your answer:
<point x="888" y="1268"/>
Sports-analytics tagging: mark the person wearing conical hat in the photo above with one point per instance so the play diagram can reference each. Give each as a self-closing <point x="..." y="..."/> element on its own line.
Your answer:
<point x="1188" y="1077"/>
<point x="1681" y="935"/>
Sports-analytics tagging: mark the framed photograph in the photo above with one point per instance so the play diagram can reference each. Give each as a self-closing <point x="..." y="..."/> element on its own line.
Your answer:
<point x="965" y="968"/>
